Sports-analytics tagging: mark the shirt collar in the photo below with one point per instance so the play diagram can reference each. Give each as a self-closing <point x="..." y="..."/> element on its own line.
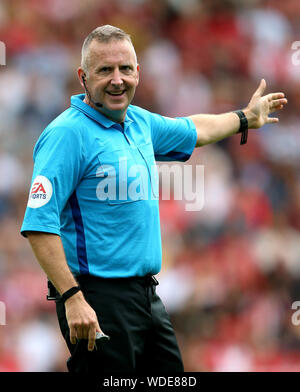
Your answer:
<point x="77" y="103"/>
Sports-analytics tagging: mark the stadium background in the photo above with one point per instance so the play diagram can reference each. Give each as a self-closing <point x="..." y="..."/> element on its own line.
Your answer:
<point x="231" y="271"/>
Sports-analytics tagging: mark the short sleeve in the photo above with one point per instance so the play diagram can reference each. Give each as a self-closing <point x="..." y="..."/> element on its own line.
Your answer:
<point x="173" y="139"/>
<point x="58" y="167"/>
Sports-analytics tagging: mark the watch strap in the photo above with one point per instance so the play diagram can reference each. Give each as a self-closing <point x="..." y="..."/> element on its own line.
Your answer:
<point x="243" y="126"/>
<point x="69" y="293"/>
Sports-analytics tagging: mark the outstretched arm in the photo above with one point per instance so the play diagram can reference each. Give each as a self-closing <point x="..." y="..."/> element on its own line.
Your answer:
<point x="214" y="127"/>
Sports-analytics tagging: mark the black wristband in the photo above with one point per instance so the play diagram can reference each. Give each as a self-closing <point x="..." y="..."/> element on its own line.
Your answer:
<point x="69" y="293"/>
<point x="243" y="126"/>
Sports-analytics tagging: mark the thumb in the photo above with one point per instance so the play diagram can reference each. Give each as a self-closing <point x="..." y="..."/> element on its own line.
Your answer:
<point x="261" y="88"/>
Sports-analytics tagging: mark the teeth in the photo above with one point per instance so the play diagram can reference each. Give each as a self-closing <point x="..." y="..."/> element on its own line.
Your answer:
<point x="111" y="93"/>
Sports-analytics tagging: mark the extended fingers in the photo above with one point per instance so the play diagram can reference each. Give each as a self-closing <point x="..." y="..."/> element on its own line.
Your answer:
<point x="277" y="104"/>
<point x="273" y="96"/>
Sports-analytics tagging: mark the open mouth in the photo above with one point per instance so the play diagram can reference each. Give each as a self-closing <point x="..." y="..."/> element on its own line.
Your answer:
<point x="116" y="93"/>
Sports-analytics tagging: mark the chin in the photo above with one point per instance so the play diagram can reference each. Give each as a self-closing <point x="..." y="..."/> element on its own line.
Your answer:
<point x="117" y="107"/>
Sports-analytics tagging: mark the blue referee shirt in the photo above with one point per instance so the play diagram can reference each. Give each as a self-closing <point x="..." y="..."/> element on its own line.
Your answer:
<point x="95" y="184"/>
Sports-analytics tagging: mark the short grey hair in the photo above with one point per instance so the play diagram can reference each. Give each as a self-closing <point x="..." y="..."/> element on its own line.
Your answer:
<point x="103" y="34"/>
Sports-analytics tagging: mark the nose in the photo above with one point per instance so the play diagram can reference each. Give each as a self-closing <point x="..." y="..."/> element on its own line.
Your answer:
<point x="116" y="78"/>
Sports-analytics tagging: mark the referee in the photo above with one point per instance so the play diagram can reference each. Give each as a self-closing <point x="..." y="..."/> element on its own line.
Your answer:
<point x="94" y="231"/>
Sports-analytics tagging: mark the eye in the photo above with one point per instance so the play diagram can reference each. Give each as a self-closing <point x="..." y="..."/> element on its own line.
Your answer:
<point x="126" y="68"/>
<point x="104" y="70"/>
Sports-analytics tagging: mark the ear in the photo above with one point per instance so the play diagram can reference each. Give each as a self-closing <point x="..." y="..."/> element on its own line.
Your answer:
<point x="137" y="74"/>
<point x="81" y="74"/>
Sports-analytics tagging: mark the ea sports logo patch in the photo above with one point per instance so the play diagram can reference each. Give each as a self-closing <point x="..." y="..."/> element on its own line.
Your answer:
<point x="40" y="192"/>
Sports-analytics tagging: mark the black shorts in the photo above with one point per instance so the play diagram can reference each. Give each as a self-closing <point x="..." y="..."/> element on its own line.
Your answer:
<point x="142" y="339"/>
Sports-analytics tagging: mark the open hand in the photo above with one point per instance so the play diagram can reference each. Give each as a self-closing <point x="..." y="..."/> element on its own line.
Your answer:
<point x="259" y="107"/>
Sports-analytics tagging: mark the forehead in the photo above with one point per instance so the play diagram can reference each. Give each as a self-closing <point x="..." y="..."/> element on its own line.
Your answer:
<point x="112" y="52"/>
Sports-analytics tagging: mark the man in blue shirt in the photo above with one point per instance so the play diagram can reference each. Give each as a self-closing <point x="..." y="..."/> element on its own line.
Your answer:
<point x="92" y="217"/>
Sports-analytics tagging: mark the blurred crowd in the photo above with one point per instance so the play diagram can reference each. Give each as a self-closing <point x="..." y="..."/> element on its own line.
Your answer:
<point x="231" y="271"/>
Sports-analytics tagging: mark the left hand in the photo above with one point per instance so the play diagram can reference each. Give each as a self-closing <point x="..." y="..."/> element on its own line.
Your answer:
<point x="259" y="107"/>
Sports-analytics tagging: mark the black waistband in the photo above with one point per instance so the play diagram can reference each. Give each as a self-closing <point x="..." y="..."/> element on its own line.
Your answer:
<point x="148" y="279"/>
